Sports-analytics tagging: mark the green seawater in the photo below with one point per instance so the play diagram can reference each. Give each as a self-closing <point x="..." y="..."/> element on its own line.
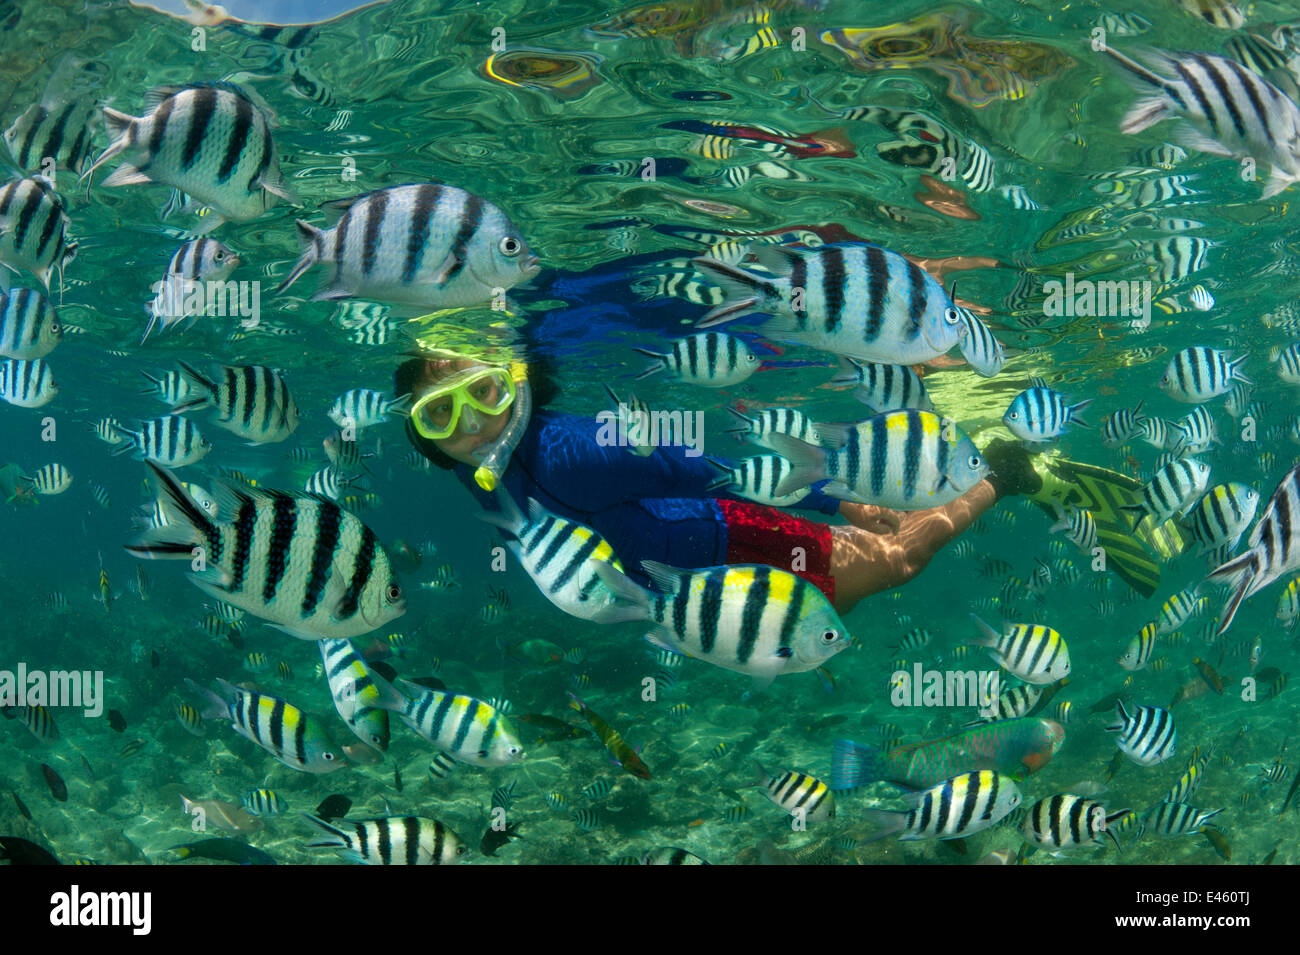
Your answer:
<point x="551" y="110"/>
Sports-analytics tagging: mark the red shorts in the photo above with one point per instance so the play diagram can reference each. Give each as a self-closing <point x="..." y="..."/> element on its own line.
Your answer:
<point x="757" y="534"/>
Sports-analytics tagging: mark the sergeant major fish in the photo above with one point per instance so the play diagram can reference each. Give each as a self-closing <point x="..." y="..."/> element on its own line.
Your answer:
<point x="303" y="564"/>
<point x="208" y="140"/>
<point x="424" y="244"/>
<point x="280" y="728"/>
<point x="856" y="300"/>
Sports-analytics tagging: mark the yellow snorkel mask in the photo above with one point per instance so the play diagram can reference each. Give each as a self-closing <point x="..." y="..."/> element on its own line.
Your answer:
<point x="495" y="385"/>
<point x="488" y="390"/>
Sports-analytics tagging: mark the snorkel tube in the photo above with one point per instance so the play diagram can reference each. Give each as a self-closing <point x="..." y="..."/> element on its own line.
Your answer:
<point x="496" y="456"/>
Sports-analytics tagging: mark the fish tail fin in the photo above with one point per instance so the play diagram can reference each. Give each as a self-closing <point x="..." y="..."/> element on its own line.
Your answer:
<point x="338" y="840"/>
<point x="744" y="290"/>
<point x="1151" y="108"/>
<point x="214" y="707"/>
<point x="659" y="364"/>
<point x="313" y="251"/>
<point x="1074" y="413"/>
<point x="1243" y="574"/>
<point x="889" y="822"/>
<point x="119" y="125"/>
<point x="510" y="519"/>
<point x="808" y="463"/>
<point x="988" y="636"/>
<point x="854" y="765"/>
<point x="1234" y="374"/>
<point x="188" y="525"/>
<point x="634" y="600"/>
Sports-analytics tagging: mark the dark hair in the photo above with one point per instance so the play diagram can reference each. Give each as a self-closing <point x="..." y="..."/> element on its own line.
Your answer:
<point x="414" y="376"/>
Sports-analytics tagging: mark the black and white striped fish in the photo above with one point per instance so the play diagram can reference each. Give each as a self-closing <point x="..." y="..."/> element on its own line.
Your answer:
<point x="1275" y="61"/>
<point x="26" y="383"/>
<point x="1140" y="648"/>
<point x="364" y="408"/>
<point x="1222" y="517"/>
<point x="263" y="802"/>
<point x="462" y="727"/>
<point x="391" y="840"/>
<point x="170" y="440"/>
<point x="1174" y="489"/>
<point x="197" y="261"/>
<point x="954" y="809"/>
<point x="756" y="478"/>
<point x="1177" y="818"/>
<point x="906" y="460"/>
<point x="1041" y="414"/>
<point x="1079" y="526"/>
<point x="62" y="132"/>
<point x="1198" y="374"/>
<point x="327" y="482"/>
<point x="362" y="697"/>
<point x="711" y="359"/>
<point x="209" y="140"/>
<point x="853" y="299"/>
<point x="981" y="350"/>
<point x="925" y="143"/>
<point x="1147" y="736"/>
<point x="1273" y="552"/>
<point x="1156" y="432"/>
<point x="39" y="722"/>
<point x="51" y="479"/>
<point x="280" y="728"/>
<point x="1034" y="653"/>
<point x="1122" y="426"/>
<point x="750" y="618"/>
<point x="1225" y="108"/>
<point x="100" y="495"/>
<point x="798" y="794"/>
<point x="562" y="557"/>
<point x="884" y="387"/>
<point x="366" y="323"/>
<point x="1123" y="24"/>
<point x="1011" y="704"/>
<point x="29" y="324"/>
<point x="251" y="401"/>
<point x="302" y="563"/>
<point x="684" y="285"/>
<point x="33" y="229"/>
<point x="1065" y="820"/>
<point x="1197" y="432"/>
<point x="425" y="244"/>
<point x="1288" y="364"/>
<point x="171" y="387"/>
<point x="757" y="427"/>
<point x="1224" y="14"/>
<point x="1018" y="197"/>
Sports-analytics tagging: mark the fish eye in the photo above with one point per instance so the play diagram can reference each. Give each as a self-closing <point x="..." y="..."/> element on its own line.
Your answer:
<point x="55" y="327"/>
<point x="516" y="751"/>
<point x="394" y="593"/>
<point x="975" y="461"/>
<point x="830" y="636"/>
<point x="509" y="245"/>
<point x="461" y="850"/>
<point x="220" y="256"/>
<point x="951" y="316"/>
<point x="1013" y="415"/>
<point x="328" y="757"/>
<point x="376" y="740"/>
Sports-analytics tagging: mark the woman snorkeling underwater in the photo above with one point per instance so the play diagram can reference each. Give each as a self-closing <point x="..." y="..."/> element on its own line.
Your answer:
<point x="486" y="420"/>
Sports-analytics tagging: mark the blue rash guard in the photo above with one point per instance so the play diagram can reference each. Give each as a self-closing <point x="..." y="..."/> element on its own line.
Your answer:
<point x="657" y="507"/>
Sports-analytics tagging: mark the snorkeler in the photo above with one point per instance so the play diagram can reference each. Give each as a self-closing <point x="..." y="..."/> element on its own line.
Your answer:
<point x="485" y="419"/>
